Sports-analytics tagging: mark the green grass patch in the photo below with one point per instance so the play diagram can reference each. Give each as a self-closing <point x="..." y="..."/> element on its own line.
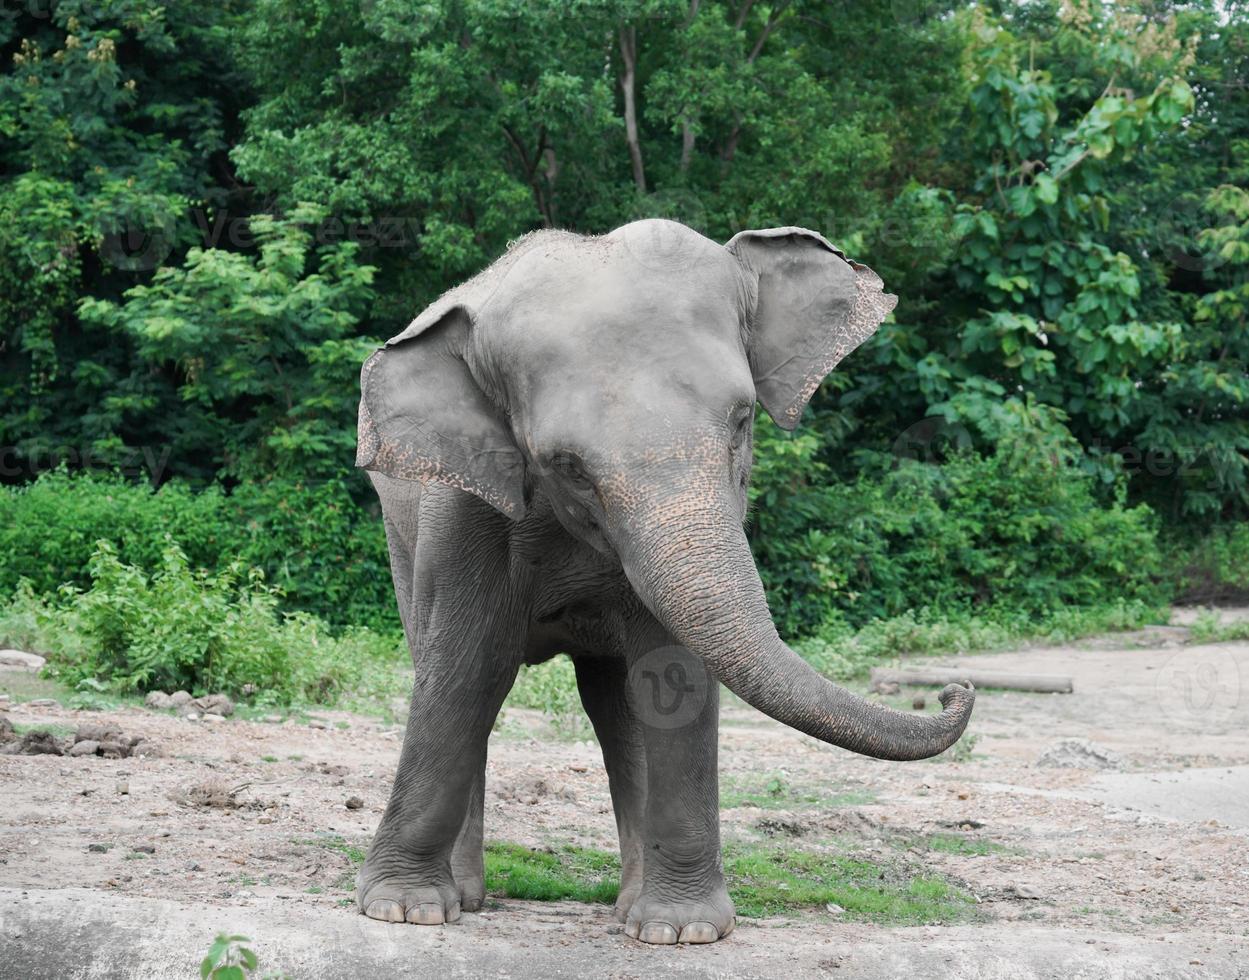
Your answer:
<point x="761" y="881"/>
<point x="764" y="882"/>
<point x="56" y="731"/>
<point x="578" y="873"/>
<point x="1206" y="628"/>
<point x="955" y="844"/>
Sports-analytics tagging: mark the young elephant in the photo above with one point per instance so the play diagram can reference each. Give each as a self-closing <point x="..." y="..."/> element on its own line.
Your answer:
<point x="562" y="447"/>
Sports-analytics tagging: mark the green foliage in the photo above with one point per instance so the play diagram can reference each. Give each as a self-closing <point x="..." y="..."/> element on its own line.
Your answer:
<point x="211" y="208"/>
<point x="1022" y="531"/>
<point x="178" y="629"/>
<point x="262" y="345"/>
<point x="311" y="540"/>
<point x="551" y="688"/>
<point x="230" y="958"/>
<point x="1209" y="629"/>
<point x="115" y="117"/>
<point x="1212" y="568"/>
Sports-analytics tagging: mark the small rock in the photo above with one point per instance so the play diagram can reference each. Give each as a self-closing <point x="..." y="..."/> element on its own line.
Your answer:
<point x="98" y="848"/>
<point x="191" y="716"/>
<point x="193" y="866"/>
<point x="43" y="703"/>
<point x="919" y="704"/>
<point x="144" y="849"/>
<point x="114" y="749"/>
<point x="6" y="729"/>
<point x="85" y="747"/>
<point x="158" y="701"/>
<point x="179" y="698"/>
<point x="211" y="717"/>
<point x="39" y="743"/>
<point x="317" y="723"/>
<point x="217" y="704"/>
<point x="834" y="908"/>
<point x="1026" y="892"/>
<point x="123" y="788"/>
<point x="272" y="719"/>
<point x="18" y="658"/>
<point x="889" y="688"/>
<point x="90" y="732"/>
<point x="5" y="698"/>
<point x="354" y="803"/>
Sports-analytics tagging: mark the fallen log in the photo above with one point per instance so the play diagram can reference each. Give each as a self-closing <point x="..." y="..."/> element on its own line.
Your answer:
<point x="940" y="676"/>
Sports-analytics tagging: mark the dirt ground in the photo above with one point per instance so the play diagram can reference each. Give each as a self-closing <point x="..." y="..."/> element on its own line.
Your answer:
<point x="1137" y="869"/>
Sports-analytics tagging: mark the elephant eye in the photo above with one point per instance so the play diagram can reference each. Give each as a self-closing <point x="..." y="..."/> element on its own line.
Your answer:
<point x="570" y="468"/>
<point x="741" y="430"/>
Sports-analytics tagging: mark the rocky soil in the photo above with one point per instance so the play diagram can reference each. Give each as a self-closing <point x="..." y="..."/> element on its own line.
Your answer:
<point x="1102" y="833"/>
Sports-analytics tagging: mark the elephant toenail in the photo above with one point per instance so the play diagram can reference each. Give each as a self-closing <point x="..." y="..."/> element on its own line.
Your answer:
<point x="453" y="912"/>
<point x="385" y="910"/>
<point x="427" y="914"/>
<point x="659" y="933"/>
<point x="732" y="925"/>
<point x="699" y="932"/>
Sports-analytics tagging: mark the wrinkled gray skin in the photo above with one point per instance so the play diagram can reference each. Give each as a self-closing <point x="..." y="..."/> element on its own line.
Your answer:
<point x="562" y="447"/>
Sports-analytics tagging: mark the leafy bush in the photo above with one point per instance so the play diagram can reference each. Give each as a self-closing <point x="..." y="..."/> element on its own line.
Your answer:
<point x="326" y="552"/>
<point x="551" y="688"/>
<point x="1214" y="567"/>
<point x="199" y="631"/>
<point x="977" y="532"/>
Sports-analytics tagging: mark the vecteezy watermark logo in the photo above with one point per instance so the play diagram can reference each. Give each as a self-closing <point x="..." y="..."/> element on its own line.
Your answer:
<point x="1199" y="683"/>
<point x="669" y="687"/>
<point x="139" y="240"/>
<point x="931" y="439"/>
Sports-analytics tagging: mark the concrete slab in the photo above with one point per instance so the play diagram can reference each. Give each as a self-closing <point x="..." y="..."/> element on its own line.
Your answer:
<point x="76" y="934"/>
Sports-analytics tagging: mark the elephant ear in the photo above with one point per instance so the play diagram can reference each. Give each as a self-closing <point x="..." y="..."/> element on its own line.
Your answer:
<point x="423" y="416"/>
<point x="812" y="307"/>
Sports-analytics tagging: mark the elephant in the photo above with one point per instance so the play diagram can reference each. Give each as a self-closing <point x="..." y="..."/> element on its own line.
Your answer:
<point x="561" y="447"/>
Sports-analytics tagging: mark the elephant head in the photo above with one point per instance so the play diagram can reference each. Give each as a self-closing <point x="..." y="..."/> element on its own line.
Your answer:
<point x="618" y="376"/>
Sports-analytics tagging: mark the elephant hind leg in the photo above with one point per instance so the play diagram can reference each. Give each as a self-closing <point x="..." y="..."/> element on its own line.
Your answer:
<point x="602" y="684"/>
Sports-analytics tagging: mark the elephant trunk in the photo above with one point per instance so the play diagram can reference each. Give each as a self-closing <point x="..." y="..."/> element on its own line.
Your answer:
<point x="688" y="559"/>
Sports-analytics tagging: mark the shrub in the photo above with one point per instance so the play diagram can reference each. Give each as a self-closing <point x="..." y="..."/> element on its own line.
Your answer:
<point x="326" y="552"/>
<point x="177" y="628"/>
<point x="971" y="534"/>
<point x="1214" y="568"/>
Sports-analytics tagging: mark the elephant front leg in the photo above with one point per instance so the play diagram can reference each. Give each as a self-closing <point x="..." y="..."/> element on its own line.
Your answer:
<point x="683" y="897"/>
<point x="467" y="857"/>
<point x="421" y="866"/>
<point x="603" y="685"/>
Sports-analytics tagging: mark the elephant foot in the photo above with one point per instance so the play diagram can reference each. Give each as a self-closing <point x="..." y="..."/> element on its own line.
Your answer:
<point x="472" y="895"/>
<point x="665" y="919"/>
<point x="390" y="896"/>
<point x="630" y="889"/>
